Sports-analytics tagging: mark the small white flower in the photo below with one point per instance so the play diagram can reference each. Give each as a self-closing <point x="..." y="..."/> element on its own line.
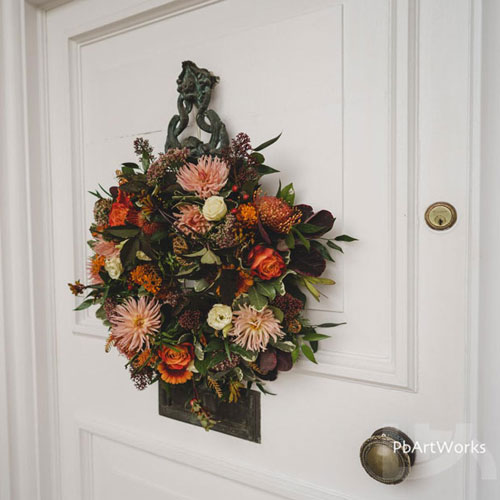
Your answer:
<point x="215" y="208"/>
<point x="142" y="256"/>
<point x="114" y="267"/>
<point x="219" y="316"/>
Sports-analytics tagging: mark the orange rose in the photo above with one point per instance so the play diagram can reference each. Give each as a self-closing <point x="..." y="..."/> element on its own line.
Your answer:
<point x="266" y="263"/>
<point x="119" y="210"/>
<point x="174" y="363"/>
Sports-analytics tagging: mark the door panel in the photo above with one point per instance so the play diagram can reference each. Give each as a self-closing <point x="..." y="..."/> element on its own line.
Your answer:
<point x="372" y="98"/>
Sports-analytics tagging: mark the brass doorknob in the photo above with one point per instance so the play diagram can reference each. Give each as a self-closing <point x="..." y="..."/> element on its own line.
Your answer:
<point x="388" y="455"/>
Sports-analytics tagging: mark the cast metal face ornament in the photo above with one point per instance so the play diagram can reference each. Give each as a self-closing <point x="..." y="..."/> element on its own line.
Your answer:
<point x="194" y="86"/>
<point x="440" y="216"/>
<point x="385" y="461"/>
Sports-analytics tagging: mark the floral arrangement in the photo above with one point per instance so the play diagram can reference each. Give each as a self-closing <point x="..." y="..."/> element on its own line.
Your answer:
<point x="201" y="276"/>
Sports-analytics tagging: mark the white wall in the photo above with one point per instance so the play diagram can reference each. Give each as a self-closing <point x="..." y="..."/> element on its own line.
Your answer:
<point x="489" y="370"/>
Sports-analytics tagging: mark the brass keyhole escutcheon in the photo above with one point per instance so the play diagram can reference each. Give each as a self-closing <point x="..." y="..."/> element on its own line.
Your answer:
<point x="388" y="455"/>
<point x="440" y="216"/>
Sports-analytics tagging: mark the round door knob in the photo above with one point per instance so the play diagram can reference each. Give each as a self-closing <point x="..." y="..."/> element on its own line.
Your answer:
<point x="388" y="455"/>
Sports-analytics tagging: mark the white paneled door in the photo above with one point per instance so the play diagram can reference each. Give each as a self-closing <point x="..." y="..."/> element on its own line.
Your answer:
<point x="374" y="99"/>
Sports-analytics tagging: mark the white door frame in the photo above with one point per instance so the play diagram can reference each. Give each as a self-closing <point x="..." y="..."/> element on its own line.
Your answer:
<point x="29" y="451"/>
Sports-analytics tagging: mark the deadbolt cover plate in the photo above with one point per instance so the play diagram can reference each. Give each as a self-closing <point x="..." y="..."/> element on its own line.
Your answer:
<point x="440" y="215"/>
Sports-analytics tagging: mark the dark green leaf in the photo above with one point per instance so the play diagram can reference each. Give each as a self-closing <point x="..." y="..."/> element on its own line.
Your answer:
<point x="217" y="358"/>
<point x="331" y="244"/>
<point x="264" y="390"/>
<point x="329" y="325"/>
<point x="101" y="313"/>
<point x="256" y="299"/>
<point x="312" y="289"/>
<point x="264" y="145"/>
<point x="128" y="252"/>
<point x="308" y="353"/>
<point x="228" y="351"/>
<point x="278" y="313"/>
<point x="258" y="157"/>
<point x="308" y="228"/>
<point x="290" y="241"/>
<point x="285" y="346"/>
<point x="84" y="305"/>
<point x="127" y="171"/>
<point x="159" y="235"/>
<point x="133" y="187"/>
<point x="322" y="250"/>
<point x="246" y="355"/>
<point x="302" y="238"/>
<point x="214" y="345"/>
<point x="267" y="289"/>
<point x="123" y="231"/>
<point x="315" y="336"/>
<point x="202" y="365"/>
<point x="265" y="169"/>
<point x="288" y="194"/>
<point x="345" y="237"/>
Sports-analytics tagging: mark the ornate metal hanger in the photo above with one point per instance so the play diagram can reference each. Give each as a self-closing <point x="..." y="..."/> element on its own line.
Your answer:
<point x="195" y="89"/>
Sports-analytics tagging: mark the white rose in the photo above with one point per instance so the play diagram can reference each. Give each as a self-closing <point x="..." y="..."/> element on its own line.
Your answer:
<point x="141" y="255"/>
<point x="220" y="316"/>
<point x="114" y="267"/>
<point x="214" y="208"/>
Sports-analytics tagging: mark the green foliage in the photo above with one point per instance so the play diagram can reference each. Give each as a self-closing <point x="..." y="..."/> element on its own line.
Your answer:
<point x="308" y="353"/>
<point x="268" y="143"/>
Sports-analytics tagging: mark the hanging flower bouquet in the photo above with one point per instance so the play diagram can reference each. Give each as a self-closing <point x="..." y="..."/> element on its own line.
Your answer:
<point x="201" y="276"/>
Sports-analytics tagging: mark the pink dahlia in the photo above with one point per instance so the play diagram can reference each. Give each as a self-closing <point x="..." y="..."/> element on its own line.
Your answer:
<point x="206" y="178"/>
<point x="253" y="329"/>
<point x="106" y="248"/>
<point x="191" y="220"/>
<point x="133" y="322"/>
